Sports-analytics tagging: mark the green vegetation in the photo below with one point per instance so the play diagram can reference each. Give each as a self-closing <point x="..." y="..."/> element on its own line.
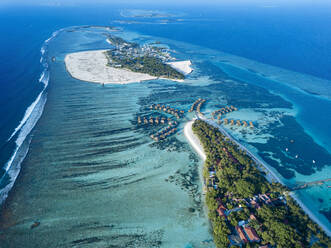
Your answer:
<point x="146" y="64"/>
<point x="149" y="59"/>
<point x="117" y="41"/>
<point x="237" y="180"/>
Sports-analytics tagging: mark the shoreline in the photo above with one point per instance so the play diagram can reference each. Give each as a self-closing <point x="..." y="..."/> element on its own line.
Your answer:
<point x="270" y="175"/>
<point x="195" y="143"/>
<point x="182" y="66"/>
<point x="310" y="214"/>
<point x="92" y="66"/>
<point x="194" y="140"/>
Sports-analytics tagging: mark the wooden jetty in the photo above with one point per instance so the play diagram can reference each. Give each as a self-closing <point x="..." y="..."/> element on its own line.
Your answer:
<point x="169" y="110"/>
<point x="310" y="184"/>
<point x="197" y="105"/>
<point x="223" y="111"/>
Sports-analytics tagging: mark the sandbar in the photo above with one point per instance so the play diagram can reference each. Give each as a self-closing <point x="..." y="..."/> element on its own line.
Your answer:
<point x="182" y="66"/>
<point x="92" y="66"/>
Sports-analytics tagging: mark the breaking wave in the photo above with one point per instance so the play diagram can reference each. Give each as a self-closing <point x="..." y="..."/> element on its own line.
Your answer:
<point x="22" y="131"/>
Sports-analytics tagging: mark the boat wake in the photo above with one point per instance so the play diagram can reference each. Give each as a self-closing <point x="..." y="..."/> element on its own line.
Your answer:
<point x="22" y="131"/>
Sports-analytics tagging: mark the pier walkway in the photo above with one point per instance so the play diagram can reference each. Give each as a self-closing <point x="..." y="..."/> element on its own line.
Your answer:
<point x="310" y="184"/>
<point x="274" y="177"/>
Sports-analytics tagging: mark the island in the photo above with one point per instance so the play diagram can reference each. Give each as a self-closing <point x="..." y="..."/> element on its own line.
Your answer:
<point x="126" y="62"/>
<point x="245" y="209"/>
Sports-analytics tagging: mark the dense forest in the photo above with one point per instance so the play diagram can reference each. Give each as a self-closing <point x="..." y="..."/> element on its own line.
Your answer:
<point x="147" y="64"/>
<point x="232" y="180"/>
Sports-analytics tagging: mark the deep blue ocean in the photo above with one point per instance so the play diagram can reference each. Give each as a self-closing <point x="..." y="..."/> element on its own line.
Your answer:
<point x="293" y="38"/>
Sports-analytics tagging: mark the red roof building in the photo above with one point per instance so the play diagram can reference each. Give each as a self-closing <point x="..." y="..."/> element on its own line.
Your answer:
<point x="221" y="210"/>
<point x="241" y="234"/>
<point x="252" y="235"/>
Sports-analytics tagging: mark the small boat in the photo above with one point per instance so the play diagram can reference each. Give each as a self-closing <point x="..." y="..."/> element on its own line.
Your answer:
<point x="53" y="59"/>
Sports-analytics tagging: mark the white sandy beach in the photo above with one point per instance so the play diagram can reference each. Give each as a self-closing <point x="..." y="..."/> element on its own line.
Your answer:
<point x="182" y="66"/>
<point x="270" y="175"/>
<point x="195" y="143"/>
<point x="91" y="66"/>
<point x="194" y="140"/>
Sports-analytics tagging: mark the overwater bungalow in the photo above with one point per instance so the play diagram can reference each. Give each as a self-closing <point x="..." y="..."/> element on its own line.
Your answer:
<point x="145" y="120"/>
<point x="157" y="121"/>
<point x="245" y="123"/>
<point x="225" y="121"/>
<point x="232" y="122"/>
<point x="162" y="120"/>
<point x="251" y="124"/>
<point x="151" y="120"/>
<point x="139" y="120"/>
<point x="238" y="123"/>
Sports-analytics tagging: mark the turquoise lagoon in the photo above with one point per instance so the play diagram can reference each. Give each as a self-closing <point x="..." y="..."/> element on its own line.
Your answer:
<point x="93" y="177"/>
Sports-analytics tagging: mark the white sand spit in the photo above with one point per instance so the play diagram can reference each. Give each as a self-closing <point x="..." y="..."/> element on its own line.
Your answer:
<point x="182" y="66"/>
<point x="194" y="140"/>
<point x="91" y="66"/>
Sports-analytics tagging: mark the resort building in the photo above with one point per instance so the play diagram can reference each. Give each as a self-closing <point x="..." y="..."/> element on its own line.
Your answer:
<point x="251" y="233"/>
<point x="241" y="234"/>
